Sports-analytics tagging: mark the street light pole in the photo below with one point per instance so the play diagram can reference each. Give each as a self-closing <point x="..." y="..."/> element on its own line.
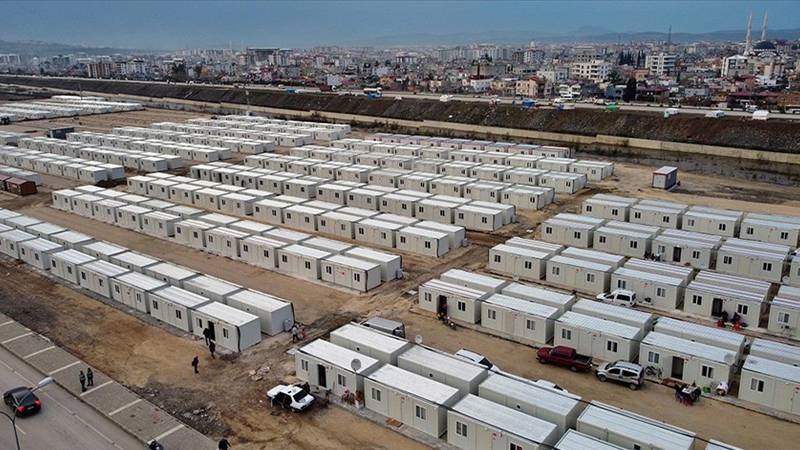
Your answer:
<point x="45" y="381"/>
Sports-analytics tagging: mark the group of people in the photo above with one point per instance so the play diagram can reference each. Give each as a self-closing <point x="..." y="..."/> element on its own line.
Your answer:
<point x="86" y="379"/>
<point x="687" y="394"/>
<point x="212" y="347"/>
<point x="736" y="321"/>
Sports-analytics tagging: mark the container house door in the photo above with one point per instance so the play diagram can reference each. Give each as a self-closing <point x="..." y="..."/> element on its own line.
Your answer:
<point x="211" y="331"/>
<point x="716" y="307"/>
<point x="322" y="376"/>
<point x="677" y="368"/>
<point x="676" y="254"/>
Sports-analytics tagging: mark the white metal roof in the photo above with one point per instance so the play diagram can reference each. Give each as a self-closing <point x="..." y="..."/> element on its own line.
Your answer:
<point x="352" y="262"/>
<point x="307" y="252"/>
<point x="105" y="268"/>
<point x="259" y="300"/>
<point x="46" y="228"/>
<point x="212" y="284"/>
<point x="604" y="326"/>
<point x="136" y="259"/>
<point x="589" y="220"/>
<point x="537" y="294"/>
<point x="381" y="224"/>
<point x="283" y="234"/>
<point x="140" y="281"/>
<point x="636" y="427"/>
<point x="648" y="276"/>
<point x="40" y="244"/>
<point x="228" y="232"/>
<point x="227" y="314"/>
<point x="593" y="256"/>
<point x="105" y="248"/>
<point x="545" y="398"/>
<point x="522" y="306"/>
<point x="160" y="215"/>
<point x="581" y="263"/>
<point x="521" y="251"/>
<point x="463" y="278"/>
<point x="778" y="351"/>
<point x="690" y="238"/>
<point x="372" y="255"/>
<point x="777" y="369"/>
<point x="443" y="363"/>
<point x="575" y="440"/>
<point x="181" y="297"/>
<point x="614" y="312"/>
<point x="338" y="356"/>
<point x="171" y="271"/>
<point x="370" y="338"/>
<point x="692" y="348"/>
<point x="504" y="419"/>
<point x="534" y="244"/>
<point x="219" y="219"/>
<point x="424" y="233"/>
<point x="701" y="333"/>
<point x="73" y="257"/>
<point x="670" y="270"/>
<point x="72" y="237"/>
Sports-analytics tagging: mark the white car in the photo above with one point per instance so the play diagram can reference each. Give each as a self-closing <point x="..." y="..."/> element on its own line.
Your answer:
<point x="290" y="396"/>
<point x="619" y="297"/>
<point x="477" y="358"/>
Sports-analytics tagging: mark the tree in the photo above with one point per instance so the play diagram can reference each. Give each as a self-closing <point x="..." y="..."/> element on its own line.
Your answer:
<point x="629" y="94"/>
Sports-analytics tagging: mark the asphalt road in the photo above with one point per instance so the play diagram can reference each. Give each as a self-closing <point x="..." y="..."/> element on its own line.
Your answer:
<point x="64" y="423"/>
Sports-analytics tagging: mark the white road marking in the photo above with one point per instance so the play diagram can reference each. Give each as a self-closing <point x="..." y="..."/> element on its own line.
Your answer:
<point x="65" y="367"/>
<point x="6" y="323"/>
<point x="97" y="387"/>
<point x="40" y="351"/>
<point x="18" y="337"/>
<point x="168" y="432"/>
<point x="121" y="408"/>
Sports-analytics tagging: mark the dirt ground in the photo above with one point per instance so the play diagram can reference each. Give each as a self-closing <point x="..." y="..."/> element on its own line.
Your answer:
<point x="132" y="349"/>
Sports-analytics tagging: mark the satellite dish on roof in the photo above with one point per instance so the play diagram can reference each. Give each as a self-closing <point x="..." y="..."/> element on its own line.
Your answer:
<point x="418" y="339"/>
<point x="729" y="358"/>
<point x="355" y="364"/>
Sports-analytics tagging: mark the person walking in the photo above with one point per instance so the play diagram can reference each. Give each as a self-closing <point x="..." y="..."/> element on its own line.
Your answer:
<point x="195" y="363"/>
<point x="82" y="379"/>
<point x="211" y="347"/>
<point x="223" y="444"/>
<point x="295" y="332"/>
<point x="89" y="377"/>
<point x="206" y="334"/>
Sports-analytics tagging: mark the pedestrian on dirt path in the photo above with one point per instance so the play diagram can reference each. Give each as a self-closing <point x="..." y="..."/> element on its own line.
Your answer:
<point x="211" y="347"/>
<point x="295" y="332"/>
<point x="195" y="363"/>
<point x="89" y="377"/>
<point x="223" y="444"/>
<point x="82" y="379"/>
<point x="206" y="334"/>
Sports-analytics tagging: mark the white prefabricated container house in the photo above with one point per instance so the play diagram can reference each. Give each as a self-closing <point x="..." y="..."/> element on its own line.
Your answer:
<point x="45" y="229"/>
<point x="97" y="275"/>
<point x="579" y="274"/>
<point x="328" y="367"/>
<point x="594" y="170"/>
<point x="72" y="239"/>
<point x="623" y="238"/>
<point x="260" y="251"/>
<point x="228" y="327"/>
<point x="778" y="351"/>
<point x="65" y="264"/>
<point x="518" y="262"/>
<point x="771" y="228"/>
<point x="390" y="264"/>
<point x="752" y="259"/>
<point x="455" y="300"/>
<point x="10" y="241"/>
<point x="457" y="236"/>
<point x="237" y="204"/>
<point x="302" y="261"/>
<point x="478" y="218"/>
<point x="185" y="212"/>
<point x="574" y="440"/>
<point x="286" y="235"/>
<point x="713" y="336"/>
<point x="175" y="306"/>
<point x="773" y="384"/>
<point x="475" y="423"/>
<point x="130" y="216"/>
<point x="411" y="399"/>
<point x="628" y="430"/>
<point x="563" y="182"/>
<point x="351" y="272"/>
<point x="337" y="224"/>
<point x="722" y="222"/>
<point x="365" y="340"/>
<point x="658" y="213"/>
<point x="474" y="280"/>
<point x="603" y="339"/>
<point x="535" y="294"/>
<point x="527" y="197"/>
<point x="275" y="314"/>
<point x="302" y="217"/>
<point x="784" y="313"/>
<point x="688" y="361"/>
<point x="444" y="368"/>
<point x="551" y="405"/>
<point x="695" y="249"/>
<point x="192" y="233"/>
<point x="570" y="229"/>
<point x="210" y="287"/>
<point x="517" y="319"/>
<point x="159" y="224"/>
<point x="37" y="252"/>
<point x="224" y="241"/>
<point x="132" y="289"/>
<point x="436" y="210"/>
<point x="136" y="262"/>
<point x="611" y="207"/>
<point x="423" y="241"/>
<point x="377" y="232"/>
<point x="170" y="273"/>
<point x="626" y="316"/>
<point x="656" y="290"/>
<point x="270" y="210"/>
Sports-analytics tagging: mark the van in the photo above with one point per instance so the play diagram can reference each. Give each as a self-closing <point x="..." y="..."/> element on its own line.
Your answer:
<point x="619" y="297"/>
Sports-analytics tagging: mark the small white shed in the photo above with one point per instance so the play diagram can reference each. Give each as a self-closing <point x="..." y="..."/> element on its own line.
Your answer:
<point x="377" y="232"/>
<point x="518" y="262"/>
<point x="224" y="241"/>
<point x="351" y="272"/>
<point x="11" y="240"/>
<point x="275" y="314"/>
<point x="457" y="301"/>
<point x="270" y="211"/>
<point x="365" y="340"/>
<point x="629" y="430"/>
<point x="260" y="251"/>
<point x="475" y="423"/>
<point x="329" y="367"/>
<point x="752" y="259"/>
<point x="658" y="213"/>
<point x="623" y="238"/>
<point x="477" y="218"/>
<point x="528" y="197"/>
<point x="210" y="287"/>
<point x="688" y="361"/>
<point x="37" y="252"/>
<point x="770" y="383"/>
<point x="604" y="206"/>
<point x="771" y="228"/>
<point x="97" y="275"/>
<point x="579" y="274"/>
<point x="301" y="261"/>
<point x="136" y="262"/>
<point x="391" y="264"/>
<point x="722" y="222"/>
<point x="562" y="302"/>
<point x="711" y="293"/>
<point x="159" y="224"/>
<point x="695" y="249"/>
<point x="173" y="274"/>
<point x="423" y="241"/>
<point x="570" y="229"/>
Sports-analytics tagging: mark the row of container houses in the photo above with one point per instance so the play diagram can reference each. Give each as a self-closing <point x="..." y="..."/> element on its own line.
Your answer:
<point x="36" y="162"/>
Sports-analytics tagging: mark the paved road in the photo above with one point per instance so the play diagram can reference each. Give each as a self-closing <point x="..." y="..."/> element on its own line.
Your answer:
<point x="64" y="422"/>
<point x="470" y="98"/>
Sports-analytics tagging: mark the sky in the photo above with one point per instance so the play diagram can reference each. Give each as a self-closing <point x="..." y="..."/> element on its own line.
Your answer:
<point x="166" y="25"/>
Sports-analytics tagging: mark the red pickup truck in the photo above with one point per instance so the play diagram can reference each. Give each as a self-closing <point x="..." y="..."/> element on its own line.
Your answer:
<point x="564" y="357"/>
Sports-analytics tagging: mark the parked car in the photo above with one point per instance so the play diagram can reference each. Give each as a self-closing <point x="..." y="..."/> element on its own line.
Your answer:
<point x="23" y="401"/>
<point x="290" y="396"/>
<point x="624" y="372"/>
<point x="565" y="357"/>
<point x="619" y="297"/>
<point x="477" y="358"/>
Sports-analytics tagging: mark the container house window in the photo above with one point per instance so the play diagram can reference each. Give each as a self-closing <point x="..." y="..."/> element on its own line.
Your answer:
<point x="420" y="412"/>
<point x="697" y="300"/>
<point x="766" y="267"/>
<point x="634" y="244"/>
<point x="637" y="215"/>
<point x="307" y="265"/>
<point x="461" y="429"/>
<point x="588" y="208"/>
<point x="601" y="239"/>
<point x="783" y="318"/>
<point x="690" y="222"/>
<point x="757" y="385"/>
<point x="462" y="306"/>
<point x="707" y="372"/>
<point x="749" y="230"/>
<point x="556" y="270"/>
<point x="653" y="357"/>
<point x="727" y="260"/>
<point x="566" y="334"/>
<point x="590" y="277"/>
<point x="376" y="394"/>
<point x="742" y="309"/>
<point x="665" y="219"/>
<point x="341" y="380"/>
<point x="357" y="276"/>
<point x="528" y="265"/>
<point x="328" y="269"/>
<point x="576" y="234"/>
<point x="178" y="314"/>
<point x="497" y="258"/>
<point x="225" y="333"/>
<point x="427" y="244"/>
<point x="784" y="235"/>
<point x="514" y="446"/>
<point x="695" y="254"/>
<point x="492" y="314"/>
<point x="722" y="227"/>
<point x="621" y="284"/>
<point x="548" y="230"/>
<point x="530" y="324"/>
<point x="661" y="292"/>
<point x="155" y="304"/>
<point x="611" y="346"/>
